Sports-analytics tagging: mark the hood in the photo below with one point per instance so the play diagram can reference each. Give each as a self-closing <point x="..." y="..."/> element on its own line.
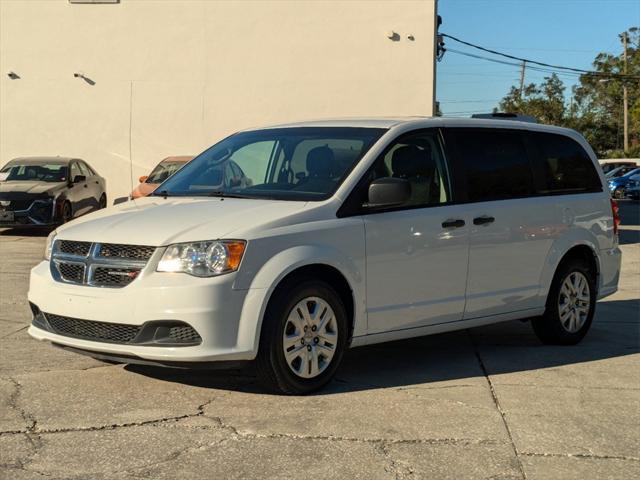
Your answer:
<point x="156" y="221"/>
<point x="30" y="188"/>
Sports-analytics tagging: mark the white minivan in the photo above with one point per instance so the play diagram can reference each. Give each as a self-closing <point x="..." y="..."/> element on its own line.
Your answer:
<point x="336" y="234"/>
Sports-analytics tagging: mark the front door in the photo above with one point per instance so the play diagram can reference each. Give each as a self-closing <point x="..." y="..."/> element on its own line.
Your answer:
<point x="416" y="253"/>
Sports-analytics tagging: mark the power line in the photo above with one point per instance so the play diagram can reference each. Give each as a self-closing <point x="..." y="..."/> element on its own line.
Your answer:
<point x="534" y="62"/>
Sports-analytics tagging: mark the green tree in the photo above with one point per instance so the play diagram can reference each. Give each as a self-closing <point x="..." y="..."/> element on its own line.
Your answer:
<point x="545" y="101"/>
<point x="595" y="108"/>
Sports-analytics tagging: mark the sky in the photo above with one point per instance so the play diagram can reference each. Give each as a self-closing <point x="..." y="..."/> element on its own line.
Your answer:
<point x="560" y="32"/>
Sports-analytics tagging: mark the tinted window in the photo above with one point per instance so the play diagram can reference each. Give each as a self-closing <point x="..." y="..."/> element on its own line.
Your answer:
<point x="494" y="163"/>
<point x="564" y="166"/>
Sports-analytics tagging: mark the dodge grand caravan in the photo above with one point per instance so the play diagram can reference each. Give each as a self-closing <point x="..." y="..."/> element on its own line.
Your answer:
<point x="348" y="233"/>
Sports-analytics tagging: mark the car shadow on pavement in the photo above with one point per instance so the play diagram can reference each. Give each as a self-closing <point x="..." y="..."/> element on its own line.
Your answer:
<point x="503" y="348"/>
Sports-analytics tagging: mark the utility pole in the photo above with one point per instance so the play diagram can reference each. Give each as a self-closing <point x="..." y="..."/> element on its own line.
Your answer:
<point x="524" y="65"/>
<point x="625" y="98"/>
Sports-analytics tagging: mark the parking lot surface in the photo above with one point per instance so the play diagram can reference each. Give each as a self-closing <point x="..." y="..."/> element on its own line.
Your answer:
<point x="490" y="402"/>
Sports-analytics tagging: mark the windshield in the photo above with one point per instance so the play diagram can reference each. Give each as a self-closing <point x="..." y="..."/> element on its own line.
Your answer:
<point x="163" y="171"/>
<point x="303" y="163"/>
<point x="37" y="172"/>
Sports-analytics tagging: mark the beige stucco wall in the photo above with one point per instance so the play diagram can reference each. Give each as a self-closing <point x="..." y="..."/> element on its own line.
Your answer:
<point x="174" y="76"/>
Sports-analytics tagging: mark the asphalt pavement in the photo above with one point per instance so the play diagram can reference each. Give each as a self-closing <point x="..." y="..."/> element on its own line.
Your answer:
<point x="489" y="402"/>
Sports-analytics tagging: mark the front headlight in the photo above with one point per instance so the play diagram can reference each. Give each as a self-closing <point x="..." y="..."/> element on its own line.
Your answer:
<point x="48" y="246"/>
<point x="203" y="259"/>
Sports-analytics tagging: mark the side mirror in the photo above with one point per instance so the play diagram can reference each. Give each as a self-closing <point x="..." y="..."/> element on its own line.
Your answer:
<point x="79" y="179"/>
<point x="143" y="178"/>
<point x="388" y="192"/>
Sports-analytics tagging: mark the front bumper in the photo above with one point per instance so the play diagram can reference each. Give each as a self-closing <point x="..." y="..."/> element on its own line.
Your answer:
<point x="39" y="214"/>
<point x="211" y="306"/>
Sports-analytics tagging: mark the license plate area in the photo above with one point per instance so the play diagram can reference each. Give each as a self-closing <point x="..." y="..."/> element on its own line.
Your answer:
<point x="7" y="216"/>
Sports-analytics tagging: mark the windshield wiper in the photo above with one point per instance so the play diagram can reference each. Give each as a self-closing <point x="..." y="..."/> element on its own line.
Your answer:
<point x="219" y="193"/>
<point x="161" y="193"/>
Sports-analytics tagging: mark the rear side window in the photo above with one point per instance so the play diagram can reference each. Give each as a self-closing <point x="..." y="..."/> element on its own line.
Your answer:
<point x="494" y="163"/>
<point x="563" y="165"/>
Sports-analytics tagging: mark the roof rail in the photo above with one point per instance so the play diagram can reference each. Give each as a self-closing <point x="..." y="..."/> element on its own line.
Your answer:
<point x="506" y="116"/>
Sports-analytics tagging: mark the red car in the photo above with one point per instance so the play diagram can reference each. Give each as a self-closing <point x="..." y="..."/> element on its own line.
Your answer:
<point x="166" y="168"/>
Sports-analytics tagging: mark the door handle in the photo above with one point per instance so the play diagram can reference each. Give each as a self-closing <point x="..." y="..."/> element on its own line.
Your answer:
<point x="453" y="223"/>
<point x="483" y="220"/>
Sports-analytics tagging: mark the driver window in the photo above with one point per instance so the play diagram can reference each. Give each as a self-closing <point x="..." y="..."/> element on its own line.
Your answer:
<point x="419" y="160"/>
<point x="83" y="168"/>
<point x="74" y="171"/>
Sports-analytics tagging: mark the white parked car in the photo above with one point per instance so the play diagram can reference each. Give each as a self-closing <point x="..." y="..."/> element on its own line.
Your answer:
<point x="350" y="233"/>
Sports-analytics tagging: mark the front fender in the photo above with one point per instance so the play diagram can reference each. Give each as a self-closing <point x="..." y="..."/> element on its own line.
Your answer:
<point x="269" y="276"/>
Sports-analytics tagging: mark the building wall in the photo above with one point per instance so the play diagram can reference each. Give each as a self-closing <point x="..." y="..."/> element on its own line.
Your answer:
<point x="171" y="77"/>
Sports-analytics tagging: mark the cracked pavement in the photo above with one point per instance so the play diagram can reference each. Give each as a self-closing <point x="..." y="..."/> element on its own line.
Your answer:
<point x="490" y="402"/>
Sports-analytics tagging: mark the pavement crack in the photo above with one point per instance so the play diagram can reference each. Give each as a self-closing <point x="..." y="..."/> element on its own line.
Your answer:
<point x="34" y="430"/>
<point x="13" y="403"/>
<point x="496" y="401"/>
<point x="376" y="441"/>
<point x="581" y="455"/>
<point x="13" y="332"/>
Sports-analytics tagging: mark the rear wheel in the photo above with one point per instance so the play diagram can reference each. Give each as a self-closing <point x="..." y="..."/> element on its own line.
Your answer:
<point x="103" y="202"/>
<point x="618" y="193"/>
<point x="570" y="306"/>
<point x="304" y="335"/>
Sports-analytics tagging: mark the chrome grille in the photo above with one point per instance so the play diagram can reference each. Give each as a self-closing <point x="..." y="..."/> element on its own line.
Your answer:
<point x="114" y="277"/>
<point x="74" y="248"/>
<point x="138" y="252"/>
<point x="98" y="265"/>
<point x="72" y="272"/>
<point x="91" y="330"/>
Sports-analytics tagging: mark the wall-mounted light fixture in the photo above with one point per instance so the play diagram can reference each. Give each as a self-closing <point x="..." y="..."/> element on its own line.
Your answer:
<point x="84" y="77"/>
<point x="13" y="75"/>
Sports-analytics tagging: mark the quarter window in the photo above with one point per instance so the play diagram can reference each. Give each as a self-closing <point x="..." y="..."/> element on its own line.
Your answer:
<point x="564" y="166"/>
<point x="495" y="164"/>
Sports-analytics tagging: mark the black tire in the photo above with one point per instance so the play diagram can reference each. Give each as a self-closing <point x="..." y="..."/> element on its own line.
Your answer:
<point x="549" y="327"/>
<point x="272" y="369"/>
<point x="618" y="193"/>
<point x="103" y="202"/>
<point x="67" y="212"/>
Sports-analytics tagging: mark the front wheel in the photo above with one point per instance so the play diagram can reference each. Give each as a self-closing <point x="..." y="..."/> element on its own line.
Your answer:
<point x="304" y="335"/>
<point x="103" y="202"/>
<point x="571" y="304"/>
<point x="618" y="193"/>
<point x="67" y="212"/>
